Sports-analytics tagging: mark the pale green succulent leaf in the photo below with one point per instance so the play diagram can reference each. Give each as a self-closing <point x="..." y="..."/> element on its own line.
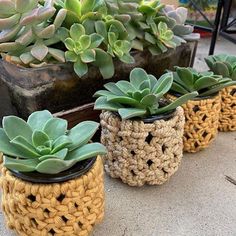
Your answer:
<point x="55" y="128"/>
<point x="127" y="113"/>
<point x="15" y="126"/>
<point x="137" y="76"/>
<point x="80" y="68"/>
<point x="37" y="119"/>
<point x="88" y="56"/>
<point x="164" y="84"/>
<point x="96" y="40"/>
<point x="204" y="82"/>
<point x="57" y="54"/>
<point x="20" y="165"/>
<point x="71" y="56"/>
<point x="82" y="133"/>
<point x="125" y="86"/>
<point x="23" y="145"/>
<point x="87" y="151"/>
<point x="186" y="76"/>
<point x="70" y="44"/>
<point x="60" y="143"/>
<point x="74" y="6"/>
<point x="9" y="22"/>
<point x="61" y="154"/>
<point x="39" y="138"/>
<point x="102" y="104"/>
<point x="76" y="31"/>
<point x="39" y="51"/>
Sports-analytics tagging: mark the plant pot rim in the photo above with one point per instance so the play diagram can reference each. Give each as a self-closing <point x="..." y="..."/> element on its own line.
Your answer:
<point x="198" y="98"/>
<point x="151" y="119"/>
<point x="76" y="171"/>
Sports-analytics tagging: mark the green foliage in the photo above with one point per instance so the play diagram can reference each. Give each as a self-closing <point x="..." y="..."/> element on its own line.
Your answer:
<point x="44" y="144"/>
<point x="187" y="80"/>
<point x="223" y="64"/>
<point x="142" y="96"/>
<point x="33" y="31"/>
<point x="29" y="29"/>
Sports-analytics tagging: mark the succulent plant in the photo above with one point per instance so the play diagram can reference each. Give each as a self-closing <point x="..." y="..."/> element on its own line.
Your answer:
<point x="44" y="144"/>
<point x="29" y="29"/>
<point x="143" y="96"/>
<point x="223" y="64"/>
<point x="180" y="16"/>
<point x="187" y="80"/>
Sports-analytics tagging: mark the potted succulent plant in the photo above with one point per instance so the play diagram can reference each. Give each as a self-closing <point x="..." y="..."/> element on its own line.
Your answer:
<point x="142" y="130"/>
<point x="52" y="178"/>
<point x="53" y="50"/>
<point x="225" y="65"/>
<point x="201" y="113"/>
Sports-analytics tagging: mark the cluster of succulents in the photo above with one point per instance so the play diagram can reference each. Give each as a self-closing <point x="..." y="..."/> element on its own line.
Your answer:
<point x="44" y="144"/>
<point x="223" y="64"/>
<point x="188" y="80"/>
<point x="38" y="32"/>
<point x="29" y="31"/>
<point x="142" y="96"/>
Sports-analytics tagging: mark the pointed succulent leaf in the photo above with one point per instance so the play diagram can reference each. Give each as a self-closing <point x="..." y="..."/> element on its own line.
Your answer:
<point x="178" y="102"/>
<point x="39" y="51"/>
<point x="204" y="82"/>
<point x="186" y="76"/>
<point x="101" y="29"/>
<point x="8" y="149"/>
<point x="20" y="165"/>
<point x="54" y="165"/>
<point x="113" y="87"/>
<point x="47" y="32"/>
<point x="82" y="133"/>
<point x="60" y="17"/>
<point x="128" y="59"/>
<point x="85" y="41"/>
<point x="7" y="34"/>
<point x="15" y="126"/>
<point x="123" y="100"/>
<point x="102" y="104"/>
<point x="55" y="128"/>
<point x="125" y="86"/>
<point x="39" y="138"/>
<point x="87" y="151"/>
<point x="37" y="119"/>
<point x="24" y="146"/>
<point x="80" y="68"/>
<point x="149" y="100"/>
<point x="164" y="84"/>
<point x="102" y="93"/>
<point x="104" y="63"/>
<point x="61" y="154"/>
<point x="178" y="88"/>
<point x="127" y="113"/>
<point x="137" y="76"/>
<point x="60" y="143"/>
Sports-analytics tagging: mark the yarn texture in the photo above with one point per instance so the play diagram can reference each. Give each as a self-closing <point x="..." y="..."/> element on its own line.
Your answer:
<point x="228" y="109"/>
<point x="201" y="122"/>
<point x="140" y="153"/>
<point x="61" y="209"/>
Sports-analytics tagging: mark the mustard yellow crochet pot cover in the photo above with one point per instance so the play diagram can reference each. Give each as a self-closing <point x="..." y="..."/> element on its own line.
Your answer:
<point x="201" y="122"/>
<point x="228" y="109"/>
<point x="61" y="209"/>
<point x="142" y="153"/>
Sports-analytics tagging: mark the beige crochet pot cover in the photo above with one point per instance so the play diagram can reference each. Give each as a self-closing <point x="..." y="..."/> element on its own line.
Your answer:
<point x="228" y="109"/>
<point x="140" y="153"/>
<point x="64" y="209"/>
<point x="201" y="123"/>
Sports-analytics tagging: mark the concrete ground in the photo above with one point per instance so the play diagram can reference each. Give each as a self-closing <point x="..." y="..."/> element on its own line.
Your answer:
<point x="197" y="201"/>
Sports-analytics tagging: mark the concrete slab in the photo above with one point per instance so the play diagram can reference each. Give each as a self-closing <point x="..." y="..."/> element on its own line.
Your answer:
<point x="198" y="200"/>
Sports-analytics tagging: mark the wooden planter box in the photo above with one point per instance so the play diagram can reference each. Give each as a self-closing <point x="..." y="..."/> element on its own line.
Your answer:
<point x="57" y="87"/>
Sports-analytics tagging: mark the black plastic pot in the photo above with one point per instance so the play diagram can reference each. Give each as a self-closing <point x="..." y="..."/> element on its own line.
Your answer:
<point x="57" y="87"/>
<point x="76" y="171"/>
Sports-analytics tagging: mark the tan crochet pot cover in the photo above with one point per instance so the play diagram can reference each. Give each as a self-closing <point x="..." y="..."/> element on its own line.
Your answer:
<point x="228" y="109"/>
<point x="201" y="123"/>
<point x="64" y="209"/>
<point x="140" y="153"/>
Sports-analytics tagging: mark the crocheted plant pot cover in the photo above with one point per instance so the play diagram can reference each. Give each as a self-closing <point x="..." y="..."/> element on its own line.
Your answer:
<point x="201" y="122"/>
<point x="228" y="109"/>
<point x="141" y="153"/>
<point x="61" y="209"/>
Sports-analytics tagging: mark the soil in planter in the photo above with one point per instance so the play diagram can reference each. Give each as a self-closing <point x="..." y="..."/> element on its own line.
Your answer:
<point x="57" y="88"/>
<point x="142" y="153"/>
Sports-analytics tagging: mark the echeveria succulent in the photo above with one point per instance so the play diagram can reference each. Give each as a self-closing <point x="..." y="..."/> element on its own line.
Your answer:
<point x="188" y="80"/>
<point x="44" y="144"/>
<point x="223" y="64"/>
<point x="143" y="96"/>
